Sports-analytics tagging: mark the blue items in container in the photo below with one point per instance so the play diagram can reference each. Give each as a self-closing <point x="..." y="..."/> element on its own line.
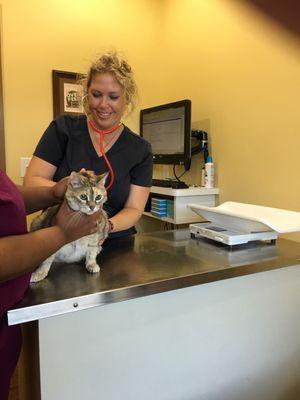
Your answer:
<point x="159" y="207"/>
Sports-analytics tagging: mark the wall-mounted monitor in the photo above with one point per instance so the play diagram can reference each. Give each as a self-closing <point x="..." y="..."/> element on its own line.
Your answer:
<point x="168" y="129"/>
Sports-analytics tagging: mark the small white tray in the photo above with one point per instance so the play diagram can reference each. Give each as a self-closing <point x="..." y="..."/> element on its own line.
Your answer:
<point x="249" y="217"/>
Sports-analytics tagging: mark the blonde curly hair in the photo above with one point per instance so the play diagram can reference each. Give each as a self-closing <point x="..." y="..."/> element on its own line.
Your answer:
<point x="114" y="63"/>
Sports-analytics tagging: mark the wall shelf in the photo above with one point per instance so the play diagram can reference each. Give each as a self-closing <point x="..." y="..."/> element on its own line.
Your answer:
<point x="181" y="197"/>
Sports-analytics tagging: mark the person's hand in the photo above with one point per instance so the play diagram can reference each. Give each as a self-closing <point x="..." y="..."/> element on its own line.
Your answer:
<point x="89" y="172"/>
<point x="59" y="189"/>
<point x="76" y="224"/>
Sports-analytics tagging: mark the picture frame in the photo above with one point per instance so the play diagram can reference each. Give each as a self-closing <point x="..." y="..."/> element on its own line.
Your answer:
<point x="67" y="93"/>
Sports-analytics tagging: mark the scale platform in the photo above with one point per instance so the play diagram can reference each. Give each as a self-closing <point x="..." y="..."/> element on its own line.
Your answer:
<point x="228" y="235"/>
<point x="234" y="223"/>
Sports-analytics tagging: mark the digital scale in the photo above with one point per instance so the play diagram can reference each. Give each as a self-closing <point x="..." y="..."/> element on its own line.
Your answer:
<point x="249" y="253"/>
<point x="234" y="223"/>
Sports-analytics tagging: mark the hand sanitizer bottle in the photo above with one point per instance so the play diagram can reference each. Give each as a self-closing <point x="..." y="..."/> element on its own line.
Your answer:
<point x="209" y="173"/>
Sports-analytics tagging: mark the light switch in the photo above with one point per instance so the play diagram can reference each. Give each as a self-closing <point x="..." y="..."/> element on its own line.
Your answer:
<point x="24" y="161"/>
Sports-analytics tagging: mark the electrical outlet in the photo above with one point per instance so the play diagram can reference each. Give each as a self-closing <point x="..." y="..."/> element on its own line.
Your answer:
<point x="24" y="161"/>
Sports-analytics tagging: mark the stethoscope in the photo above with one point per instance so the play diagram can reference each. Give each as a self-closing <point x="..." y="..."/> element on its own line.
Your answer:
<point x="101" y="141"/>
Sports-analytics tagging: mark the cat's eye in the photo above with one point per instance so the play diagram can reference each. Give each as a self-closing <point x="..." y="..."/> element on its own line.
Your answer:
<point x="98" y="197"/>
<point x="83" y="197"/>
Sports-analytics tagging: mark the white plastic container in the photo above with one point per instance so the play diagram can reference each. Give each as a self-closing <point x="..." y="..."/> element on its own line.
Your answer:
<point x="209" y="173"/>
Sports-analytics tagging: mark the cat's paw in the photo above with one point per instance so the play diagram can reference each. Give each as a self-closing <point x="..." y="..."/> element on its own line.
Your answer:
<point x="37" y="276"/>
<point x="93" y="268"/>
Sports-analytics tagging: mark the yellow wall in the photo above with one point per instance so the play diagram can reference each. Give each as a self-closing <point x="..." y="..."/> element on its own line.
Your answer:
<point x="241" y="71"/>
<point x="41" y="35"/>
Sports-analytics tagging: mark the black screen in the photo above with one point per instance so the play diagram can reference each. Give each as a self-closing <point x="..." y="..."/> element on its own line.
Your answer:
<point x="168" y="129"/>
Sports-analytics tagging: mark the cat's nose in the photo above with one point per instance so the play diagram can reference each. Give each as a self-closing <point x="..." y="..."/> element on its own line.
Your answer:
<point x="92" y="207"/>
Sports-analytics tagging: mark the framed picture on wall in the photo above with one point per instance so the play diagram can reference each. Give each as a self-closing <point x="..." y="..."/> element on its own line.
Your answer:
<point x="67" y="93"/>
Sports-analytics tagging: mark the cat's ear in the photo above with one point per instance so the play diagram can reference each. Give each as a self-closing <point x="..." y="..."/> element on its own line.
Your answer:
<point x="75" y="180"/>
<point x="101" y="179"/>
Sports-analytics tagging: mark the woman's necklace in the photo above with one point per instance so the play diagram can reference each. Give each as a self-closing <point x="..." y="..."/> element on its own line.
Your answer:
<point x="109" y="141"/>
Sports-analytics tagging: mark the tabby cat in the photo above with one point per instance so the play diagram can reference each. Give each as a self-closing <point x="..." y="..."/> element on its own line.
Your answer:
<point x="86" y="194"/>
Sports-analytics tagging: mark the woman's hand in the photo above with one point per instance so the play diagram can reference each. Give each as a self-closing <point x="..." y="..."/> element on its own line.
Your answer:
<point x="76" y="224"/>
<point x="59" y="189"/>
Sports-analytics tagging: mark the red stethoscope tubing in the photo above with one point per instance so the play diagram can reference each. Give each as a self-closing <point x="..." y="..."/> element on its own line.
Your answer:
<point x="101" y="141"/>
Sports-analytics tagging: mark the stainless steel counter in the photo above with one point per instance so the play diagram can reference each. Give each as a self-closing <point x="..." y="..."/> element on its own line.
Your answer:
<point x="144" y="265"/>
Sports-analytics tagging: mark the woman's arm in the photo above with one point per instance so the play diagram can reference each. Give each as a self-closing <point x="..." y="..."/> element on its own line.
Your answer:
<point x="39" y="173"/>
<point x="23" y="253"/>
<point x="37" y="198"/>
<point x="132" y="210"/>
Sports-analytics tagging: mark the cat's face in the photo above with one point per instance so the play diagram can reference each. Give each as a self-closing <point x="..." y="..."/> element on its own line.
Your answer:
<point x="85" y="193"/>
